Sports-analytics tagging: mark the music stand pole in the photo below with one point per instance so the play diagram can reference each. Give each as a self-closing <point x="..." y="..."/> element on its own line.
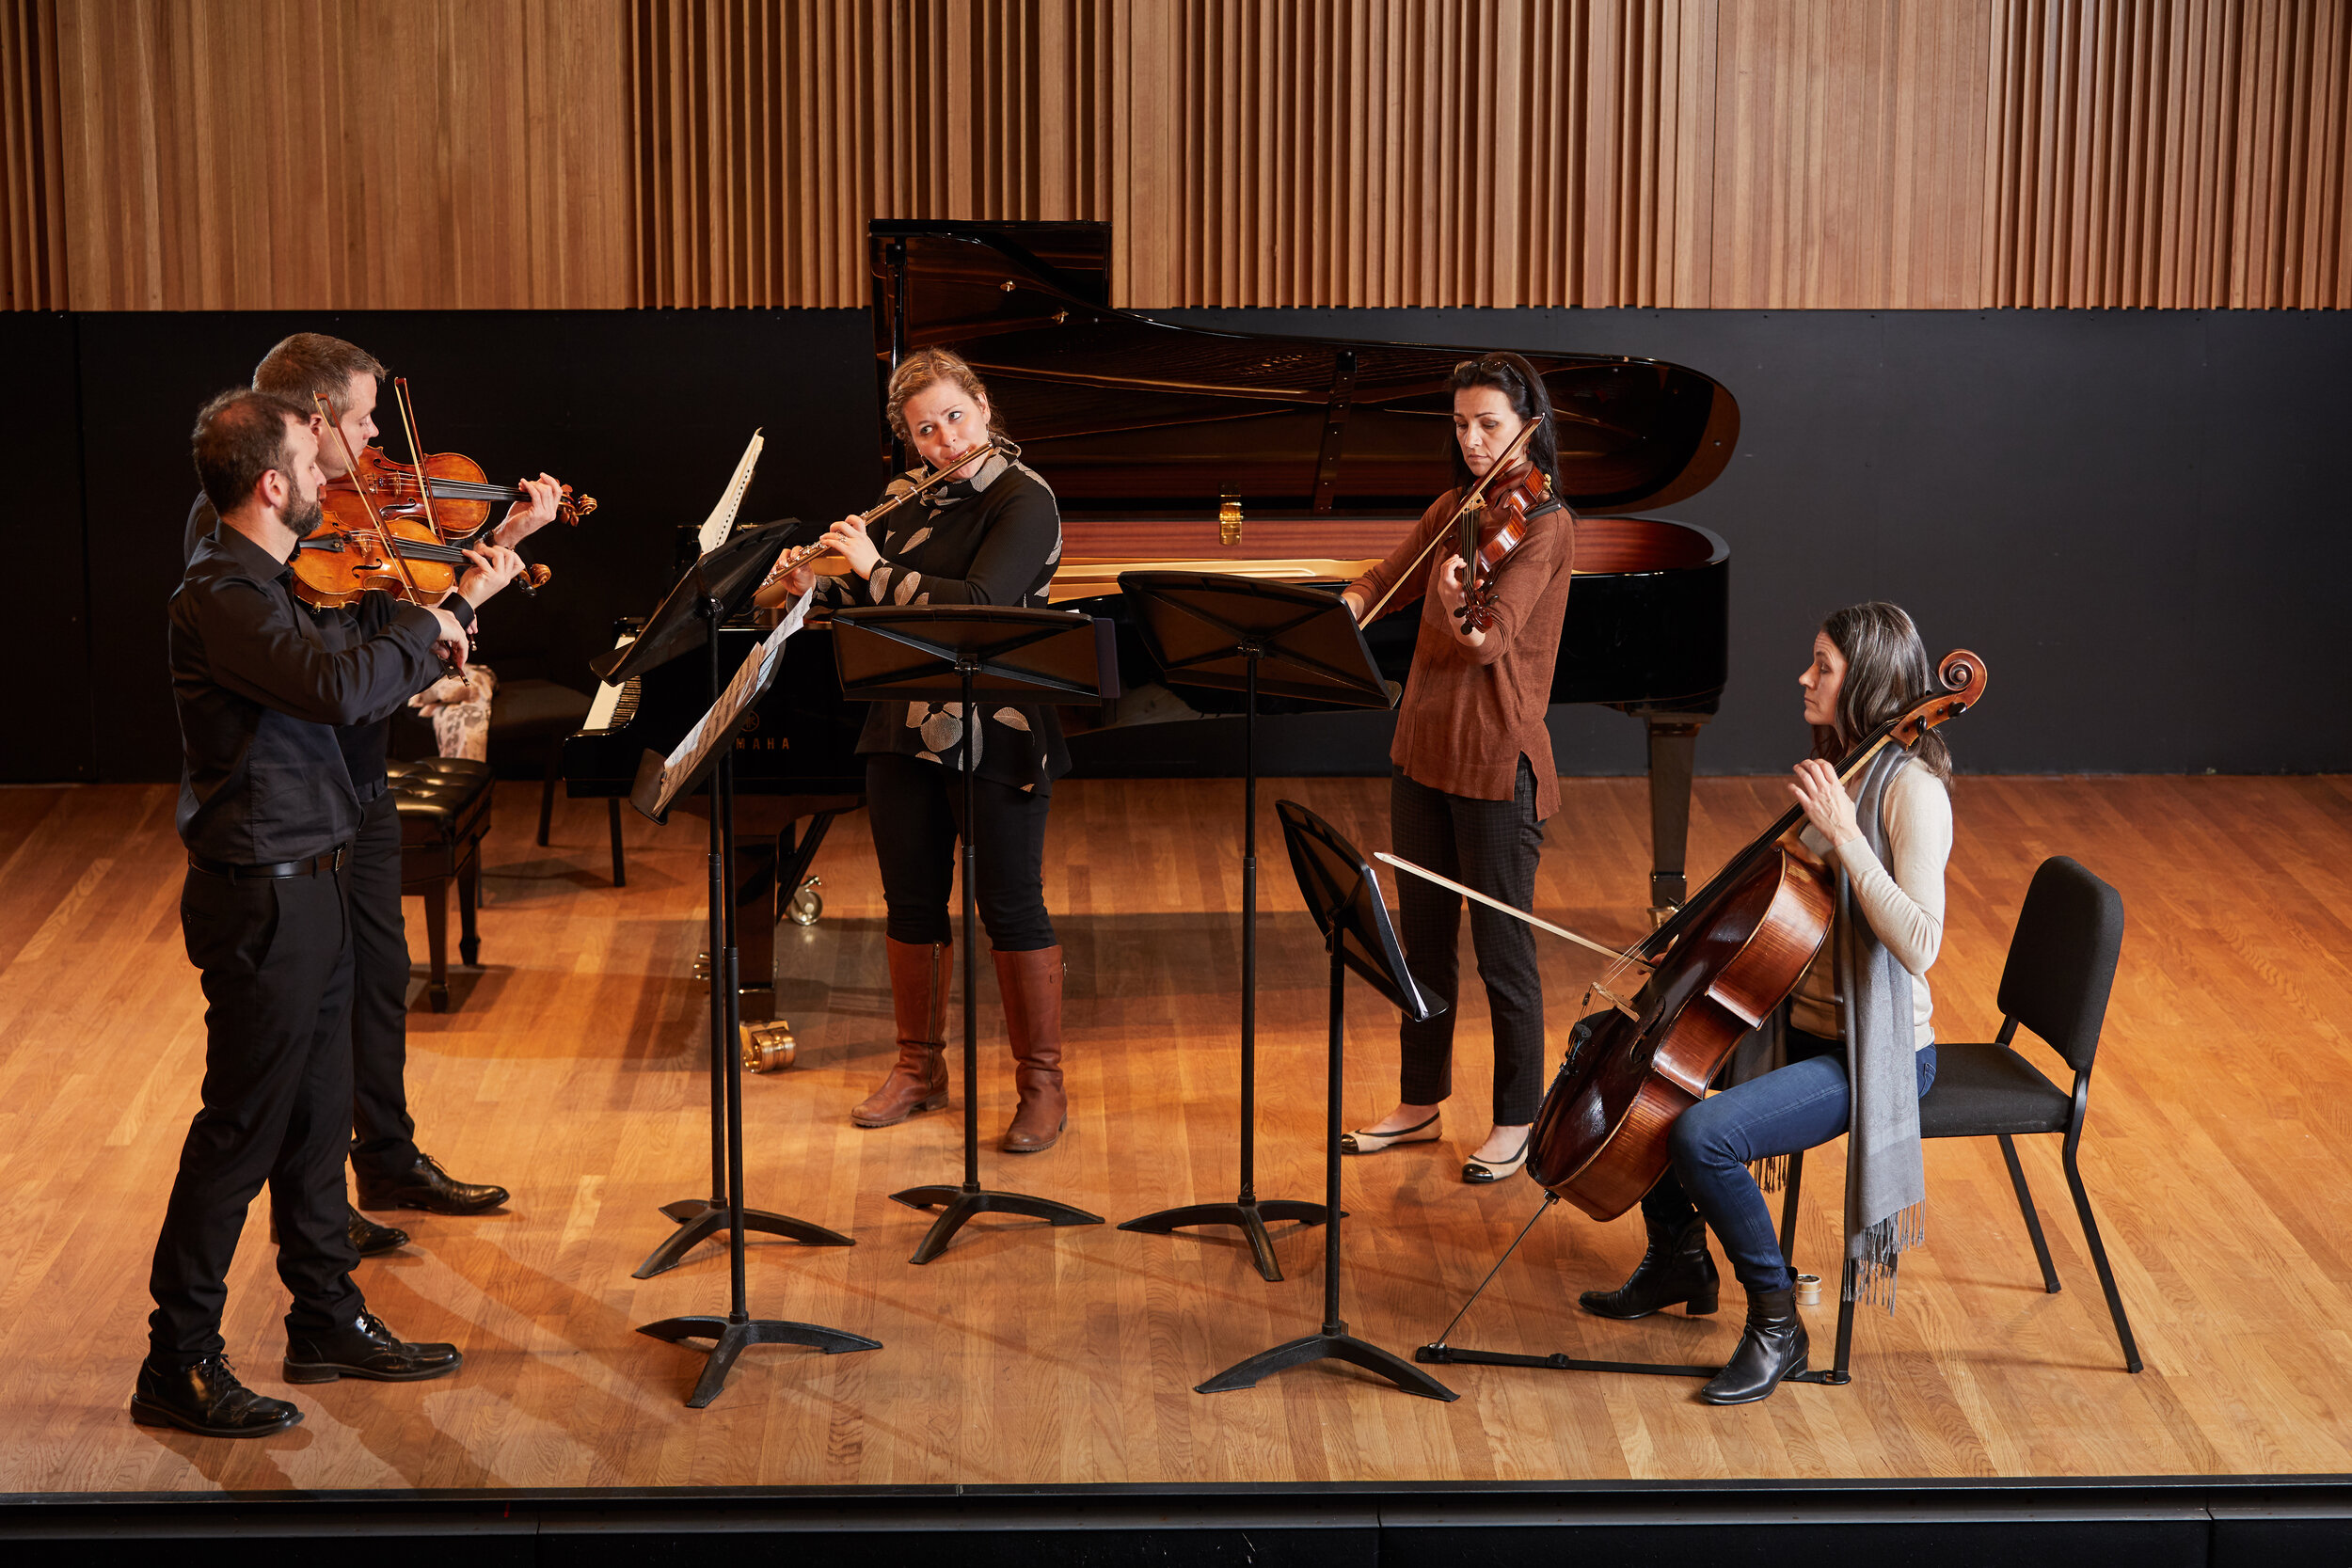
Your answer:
<point x="958" y="1204"/>
<point x="698" y="1219"/>
<point x="739" y="1330"/>
<point x="1035" y="655"/>
<point x="1334" y="907"/>
<point x="1196" y="627"/>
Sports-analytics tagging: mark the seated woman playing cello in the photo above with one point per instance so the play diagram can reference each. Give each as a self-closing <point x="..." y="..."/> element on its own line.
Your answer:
<point x="1859" y="1049"/>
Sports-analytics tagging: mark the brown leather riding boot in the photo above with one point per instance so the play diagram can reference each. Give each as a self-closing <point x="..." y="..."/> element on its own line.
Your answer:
<point x="918" y="995"/>
<point x="1031" y="984"/>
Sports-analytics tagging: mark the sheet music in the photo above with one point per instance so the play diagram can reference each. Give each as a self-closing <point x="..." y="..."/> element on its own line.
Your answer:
<point x="760" y="667"/>
<point x="721" y="522"/>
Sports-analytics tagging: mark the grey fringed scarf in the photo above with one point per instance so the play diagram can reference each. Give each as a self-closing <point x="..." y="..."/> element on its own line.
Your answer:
<point x="1886" y="1186"/>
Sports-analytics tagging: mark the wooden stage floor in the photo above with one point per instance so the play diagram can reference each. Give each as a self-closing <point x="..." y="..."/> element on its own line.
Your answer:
<point x="572" y="1070"/>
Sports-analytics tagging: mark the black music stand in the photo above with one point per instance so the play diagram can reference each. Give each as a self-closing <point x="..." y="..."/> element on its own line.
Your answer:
<point x="712" y="591"/>
<point x="1034" y="655"/>
<point x="707" y="752"/>
<point x="1345" y="898"/>
<point x="1240" y="634"/>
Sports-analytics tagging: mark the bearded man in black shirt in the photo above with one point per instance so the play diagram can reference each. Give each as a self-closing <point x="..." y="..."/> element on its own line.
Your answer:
<point x="391" y="1172"/>
<point x="268" y="814"/>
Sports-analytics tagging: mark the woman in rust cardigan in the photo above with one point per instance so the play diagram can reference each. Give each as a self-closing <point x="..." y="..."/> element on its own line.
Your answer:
<point x="1474" y="780"/>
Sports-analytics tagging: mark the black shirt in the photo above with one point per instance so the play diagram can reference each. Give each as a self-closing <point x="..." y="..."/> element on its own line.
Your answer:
<point x="993" y="539"/>
<point x="259" y="686"/>
<point x="364" y="746"/>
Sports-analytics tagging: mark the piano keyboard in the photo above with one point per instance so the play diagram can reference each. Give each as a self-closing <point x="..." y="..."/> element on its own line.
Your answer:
<point x="615" y="706"/>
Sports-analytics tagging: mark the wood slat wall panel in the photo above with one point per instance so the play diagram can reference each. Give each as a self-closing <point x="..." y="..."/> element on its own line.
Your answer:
<point x="344" y="153"/>
<point x="1767" y="154"/>
<point x="32" y="193"/>
<point x="2187" y="153"/>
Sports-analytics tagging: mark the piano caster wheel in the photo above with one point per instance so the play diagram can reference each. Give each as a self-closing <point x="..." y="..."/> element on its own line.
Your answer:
<point x="805" y="906"/>
<point x="766" y="1047"/>
<point x="1660" y="913"/>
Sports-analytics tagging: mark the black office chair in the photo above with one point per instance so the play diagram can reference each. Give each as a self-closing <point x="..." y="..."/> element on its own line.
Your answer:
<point x="2062" y="965"/>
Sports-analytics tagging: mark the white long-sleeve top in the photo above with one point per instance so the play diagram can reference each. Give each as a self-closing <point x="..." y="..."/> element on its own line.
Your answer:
<point x="1903" y="903"/>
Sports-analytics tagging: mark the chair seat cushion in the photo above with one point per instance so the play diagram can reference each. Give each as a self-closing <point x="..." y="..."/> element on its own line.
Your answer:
<point x="441" y="799"/>
<point x="523" y="708"/>
<point x="1984" y="1089"/>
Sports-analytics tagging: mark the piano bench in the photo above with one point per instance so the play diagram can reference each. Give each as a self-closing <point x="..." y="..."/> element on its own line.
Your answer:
<point x="444" y="814"/>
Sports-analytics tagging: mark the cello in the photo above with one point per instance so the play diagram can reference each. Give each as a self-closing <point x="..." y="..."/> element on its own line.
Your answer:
<point x="1715" y="970"/>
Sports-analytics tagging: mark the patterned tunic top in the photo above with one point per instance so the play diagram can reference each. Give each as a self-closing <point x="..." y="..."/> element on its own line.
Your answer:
<point x="992" y="539"/>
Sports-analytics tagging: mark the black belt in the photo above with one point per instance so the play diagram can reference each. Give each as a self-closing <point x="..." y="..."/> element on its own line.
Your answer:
<point x="331" y="861"/>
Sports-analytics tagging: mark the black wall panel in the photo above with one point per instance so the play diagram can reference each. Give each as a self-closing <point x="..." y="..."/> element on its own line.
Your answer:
<point x="50" y="734"/>
<point x="2133" y="515"/>
<point x="2136" y="517"/>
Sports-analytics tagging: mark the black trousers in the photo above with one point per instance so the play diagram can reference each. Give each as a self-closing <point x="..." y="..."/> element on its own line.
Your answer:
<point x="916" y="809"/>
<point x="1492" y="845"/>
<point x="276" y="956"/>
<point x="383" y="1141"/>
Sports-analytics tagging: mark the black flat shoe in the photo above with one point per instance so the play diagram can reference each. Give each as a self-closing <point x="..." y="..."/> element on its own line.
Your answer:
<point x="207" y="1399"/>
<point x="367" y="1349"/>
<point x="1476" y="1171"/>
<point x="425" y="1185"/>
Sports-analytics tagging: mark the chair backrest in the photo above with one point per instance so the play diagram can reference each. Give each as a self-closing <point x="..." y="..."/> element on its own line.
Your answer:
<point x="2061" y="960"/>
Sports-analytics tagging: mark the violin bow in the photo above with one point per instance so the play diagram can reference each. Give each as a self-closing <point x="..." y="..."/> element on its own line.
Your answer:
<point x="1619" y="959"/>
<point x="383" y="540"/>
<point x="1477" y="494"/>
<point x="533" y="578"/>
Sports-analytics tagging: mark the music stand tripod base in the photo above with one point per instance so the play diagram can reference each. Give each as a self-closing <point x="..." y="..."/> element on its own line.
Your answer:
<point x="1334" y="1343"/>
<point x="734" y="1337"/>
<point x="1034" y="655"/>
<point x="1247" y="1214"/>
<point x="960" y="1204"/>
<point x="698" y="1219"/>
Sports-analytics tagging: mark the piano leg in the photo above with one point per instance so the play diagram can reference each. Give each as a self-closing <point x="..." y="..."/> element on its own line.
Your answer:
<point x="768" y="873"/>
<point x="1674" y="740"/>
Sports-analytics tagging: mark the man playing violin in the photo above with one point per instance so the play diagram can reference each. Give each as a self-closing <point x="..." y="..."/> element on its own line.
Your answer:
<point x="391" y="1171"/>
<point x="268" y="815"/>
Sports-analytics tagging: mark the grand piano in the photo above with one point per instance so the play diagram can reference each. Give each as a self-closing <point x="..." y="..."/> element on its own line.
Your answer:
<point x="1179" y="448"/>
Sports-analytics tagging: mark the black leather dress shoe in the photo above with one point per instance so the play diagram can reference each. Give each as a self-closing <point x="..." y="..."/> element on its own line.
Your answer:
<point x="367" y="1238"/>
<point x="371" y="1239"/>
<point x="207" y="1399"/>
<point x="367" y="1349"/>
<point x="425" y="1185"/>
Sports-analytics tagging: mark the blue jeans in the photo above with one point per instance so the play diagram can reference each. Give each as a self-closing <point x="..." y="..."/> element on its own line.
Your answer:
<point x="1790" y="1109"/>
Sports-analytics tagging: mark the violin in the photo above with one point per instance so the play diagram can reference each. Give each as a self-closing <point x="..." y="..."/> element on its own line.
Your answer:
<point x="1488" y="540"/>
<point x="1715" y="970"/>
<point x="1462" y="519"/>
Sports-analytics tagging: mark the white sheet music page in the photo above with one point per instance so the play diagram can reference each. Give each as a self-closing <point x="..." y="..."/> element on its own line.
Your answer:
<point x="721" y="522"/>
<point x="760" y="667"/>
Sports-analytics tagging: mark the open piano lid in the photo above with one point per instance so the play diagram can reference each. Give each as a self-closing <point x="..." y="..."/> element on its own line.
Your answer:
<point x="1124" y="412"/>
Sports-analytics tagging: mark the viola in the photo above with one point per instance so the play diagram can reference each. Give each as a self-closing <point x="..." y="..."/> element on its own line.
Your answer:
<point x="356" y="550"/>
<point x="1716" y="970"/>
<point x="1462" y="518"/>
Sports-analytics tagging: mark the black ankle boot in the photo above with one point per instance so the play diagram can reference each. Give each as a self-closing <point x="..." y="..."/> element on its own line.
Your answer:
<point x="1676" y="1269"/>
<point x="1772" y="1347"/>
